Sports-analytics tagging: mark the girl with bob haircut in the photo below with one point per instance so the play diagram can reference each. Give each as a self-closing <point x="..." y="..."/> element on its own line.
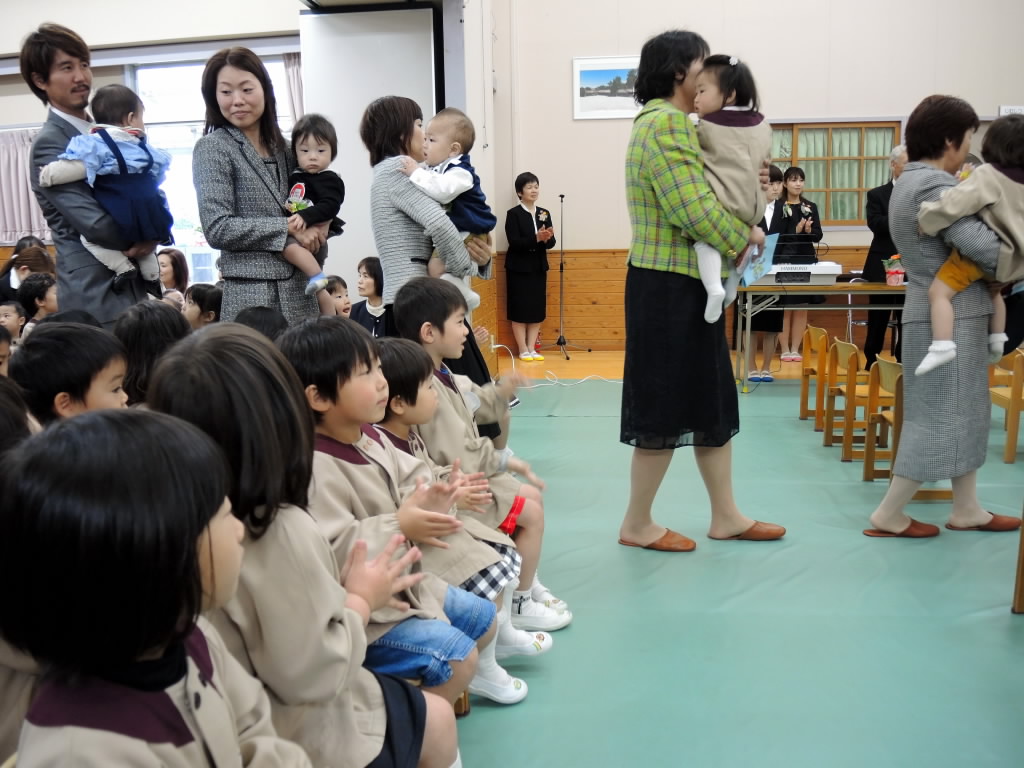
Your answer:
<point x="304" y="638"/>
<point x="147" y="330"/>
<point x="132" y="504"/>
<point x="240" y="168"/>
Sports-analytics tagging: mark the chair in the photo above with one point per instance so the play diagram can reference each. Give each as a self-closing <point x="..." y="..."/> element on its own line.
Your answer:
<point x="843" y="364"/>
<point x="815" y="359"/>
<point x="1012" y="399"/>
<point x="885" y="376"/>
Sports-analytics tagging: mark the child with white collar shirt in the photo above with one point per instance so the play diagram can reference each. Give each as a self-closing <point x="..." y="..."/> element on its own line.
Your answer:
<point x="451" y="180"/>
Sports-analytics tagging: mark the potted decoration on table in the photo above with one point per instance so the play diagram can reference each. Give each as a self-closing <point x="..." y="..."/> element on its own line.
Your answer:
<point x="894" y="271"/>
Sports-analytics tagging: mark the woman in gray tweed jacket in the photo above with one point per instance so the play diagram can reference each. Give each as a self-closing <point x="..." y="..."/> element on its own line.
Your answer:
<point x="947" y="413"/>
<point x="240" y="168"/>
<point x="407" y="224"/>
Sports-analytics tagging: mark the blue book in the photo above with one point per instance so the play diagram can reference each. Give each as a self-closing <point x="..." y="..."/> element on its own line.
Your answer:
<point x="760" y="262"/>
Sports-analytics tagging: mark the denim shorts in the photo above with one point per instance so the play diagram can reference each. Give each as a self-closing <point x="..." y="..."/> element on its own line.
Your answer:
<point x="420" y="649"/>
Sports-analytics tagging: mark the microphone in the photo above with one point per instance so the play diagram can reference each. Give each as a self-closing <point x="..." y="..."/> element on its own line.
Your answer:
<point x="561" y="197"/>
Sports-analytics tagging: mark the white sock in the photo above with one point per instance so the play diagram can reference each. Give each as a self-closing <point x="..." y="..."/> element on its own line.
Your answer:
<point x="940" y="352"/>
<point x="996" y="345"/>
<point x="709" y="265"/>
<point x="487" y="667"/>
<point x="732" y="284"/>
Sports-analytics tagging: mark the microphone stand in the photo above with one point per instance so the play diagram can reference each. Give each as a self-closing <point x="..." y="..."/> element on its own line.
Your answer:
<point x="560" y="342"/>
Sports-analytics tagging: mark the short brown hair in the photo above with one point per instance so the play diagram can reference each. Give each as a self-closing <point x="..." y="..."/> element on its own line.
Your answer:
<point x="387" y="126"/>
<point x="244" y="59"/>
<point x="316" y="127"/>
<point x="113" y="103"/>
<point x="1004" y="142"/>
<point x="40" y="48"/>
<point x="462" y="127"/>
<point x="35" y="258"/>
<point x="935" y="121"/>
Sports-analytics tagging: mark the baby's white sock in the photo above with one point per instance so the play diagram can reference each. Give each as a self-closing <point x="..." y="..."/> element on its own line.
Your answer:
<point x="939" y="353"/>
<point x="458" y="760"/>
<point x="996" y="345"/>
<point x="709" y="265"/>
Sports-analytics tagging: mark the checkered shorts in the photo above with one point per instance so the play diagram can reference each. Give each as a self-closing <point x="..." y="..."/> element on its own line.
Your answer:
<point x="489" y="582"/>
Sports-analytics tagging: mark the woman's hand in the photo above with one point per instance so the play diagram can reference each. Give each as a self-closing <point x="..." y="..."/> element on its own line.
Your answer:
<point x="310" y="238"/>
<point x="756" y="236"/>
<point x="479" y="250"/>
<point x="804" y="227"/>
<point x="545" y="234"/>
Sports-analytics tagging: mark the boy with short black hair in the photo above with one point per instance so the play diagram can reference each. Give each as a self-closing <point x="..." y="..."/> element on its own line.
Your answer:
<point x="5" y="349"/>
<point x="38" y="296"/>
<point x="65" y="369"/>
<point x="432" y="312"/>
<point x="364" y="488"/>
<point x="337" y="289"/>
<point x="12" y="317"/>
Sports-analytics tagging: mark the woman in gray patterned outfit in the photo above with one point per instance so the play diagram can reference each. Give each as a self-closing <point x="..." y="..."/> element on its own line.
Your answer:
<point x="407" y="224"/>
<point x="947" y="413"/>
<point x="240" y="168"/>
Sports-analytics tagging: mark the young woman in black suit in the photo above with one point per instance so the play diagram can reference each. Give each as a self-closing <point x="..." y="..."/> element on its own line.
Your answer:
<point x="767" y="324"/>
<point x="801" y="229"/>
<point x="530" y="234"/>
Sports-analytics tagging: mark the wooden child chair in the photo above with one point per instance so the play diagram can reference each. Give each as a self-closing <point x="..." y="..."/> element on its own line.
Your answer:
<point x="813" y="367"/>
<point x="1011" y="398"/>
<point x="843" y="367"/>
<point x="886" y="377"/>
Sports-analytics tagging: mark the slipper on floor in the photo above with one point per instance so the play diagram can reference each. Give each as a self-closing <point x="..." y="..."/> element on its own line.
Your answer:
<point x="998" y="524"/>
<point x="767" y="376"/>
<point x="754" y="376"/>
<point x="916" y="530"/>
<point x="669" y="542"/>
<point x="757" y="532"/>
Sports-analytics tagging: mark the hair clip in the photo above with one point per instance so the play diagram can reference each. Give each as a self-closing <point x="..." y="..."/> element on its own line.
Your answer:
<point x="733" y="61"/>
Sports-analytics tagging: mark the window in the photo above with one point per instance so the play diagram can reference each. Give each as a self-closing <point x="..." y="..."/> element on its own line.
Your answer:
<point x="174" y="116"/>
<point x="842" y="161"/>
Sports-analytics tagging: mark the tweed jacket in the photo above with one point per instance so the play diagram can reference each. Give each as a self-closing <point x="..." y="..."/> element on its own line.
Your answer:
<point x="407" y="226"/>
<point x="355" y="494"/>
<point x="671" y="205"/>
<point x="217" y="715"/>
<point x="452" y="434"/>
<point x="947" y="412"/>
<point x="72" y="213"/>
<point x="241" y="207"/>
<point x="735" y="143"/>
<point x="288" y="626"/>
<point x="998" y="200"/>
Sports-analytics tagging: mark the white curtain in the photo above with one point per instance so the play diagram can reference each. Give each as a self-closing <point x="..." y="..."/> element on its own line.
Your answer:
<point x="293" y="69"/>
<point x="20" y="214"/>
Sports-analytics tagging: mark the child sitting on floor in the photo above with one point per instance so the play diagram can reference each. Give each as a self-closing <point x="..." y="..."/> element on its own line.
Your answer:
<point x="451" y="180"/>
<point x="432" y="313"/>
<point x="363" y="486"/>
<point x="735" y="140"/>
<point x="995" y="193"/>
<point x="140" y="679"/>
<point x="125" y="174"/>
<point x="337" y="289"/>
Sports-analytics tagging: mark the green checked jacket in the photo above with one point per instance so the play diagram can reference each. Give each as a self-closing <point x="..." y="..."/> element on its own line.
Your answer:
<point x="671" y="206"/>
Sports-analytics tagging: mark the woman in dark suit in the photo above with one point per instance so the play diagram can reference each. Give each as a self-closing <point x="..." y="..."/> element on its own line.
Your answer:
<point x="30" y="255"/>
<point x="801" y="229"/>
<point x="530" y="236"/>
<point x="767" y="324"/>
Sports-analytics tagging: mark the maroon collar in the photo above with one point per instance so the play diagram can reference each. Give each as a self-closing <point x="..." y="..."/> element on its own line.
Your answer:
<point x="346" y="452"/>
<point x="445" y="377"/>
<point x="399" y="443"/>
<point x="731" y="118"/>
<point x="1013" y="174"/>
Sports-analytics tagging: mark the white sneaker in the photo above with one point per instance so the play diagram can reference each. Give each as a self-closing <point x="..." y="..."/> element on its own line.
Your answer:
<point x="542" y="594"/>
<point x="519" y="642"/>
<point x="530" y="615"/>
<point x="512" y="690"/>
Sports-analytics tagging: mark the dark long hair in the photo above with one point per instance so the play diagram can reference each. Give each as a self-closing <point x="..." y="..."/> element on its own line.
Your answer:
<point x="733" y="77"/>
<point x="33" y="256"/>
<point x="664" y="60"/>
<point x="233" y="384"/>
<point x="244" y="59"/>
<point x="147" y="330"/>
<point x="101" y="522"/>
<point x="179" y="268"/>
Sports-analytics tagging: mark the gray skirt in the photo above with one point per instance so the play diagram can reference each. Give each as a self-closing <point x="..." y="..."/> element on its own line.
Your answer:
<point x="947" y="412"/>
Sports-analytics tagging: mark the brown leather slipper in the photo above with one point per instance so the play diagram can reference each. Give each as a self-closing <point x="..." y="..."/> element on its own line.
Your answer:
<point x="757" y="532"/>
<point x="915" y="530"/>
<point x="669" y="542"/>
<point x="998" y="524"/>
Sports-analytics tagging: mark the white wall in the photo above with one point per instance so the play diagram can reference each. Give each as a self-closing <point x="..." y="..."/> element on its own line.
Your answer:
<point x="106" y="23"/>
<point x="828" y="59"/>
<point x="348" y="60"/>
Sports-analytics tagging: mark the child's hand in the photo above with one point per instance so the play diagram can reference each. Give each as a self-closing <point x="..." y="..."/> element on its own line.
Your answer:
<point x="483" y="336"/>
<point x="475" y="487"/>
<point x="965" y="170"/>
<point x="520" y="467"/>
<point x="409" y="165"/>
<point x="378" y="580"/>
<point x="424" y="515"/>
<point x="509" y="383"/>
<point x="756" y="236"/>
<point x="296" y="223"/>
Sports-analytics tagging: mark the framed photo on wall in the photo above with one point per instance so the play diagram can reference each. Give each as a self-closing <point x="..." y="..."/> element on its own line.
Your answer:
<point x="603" y="87"/>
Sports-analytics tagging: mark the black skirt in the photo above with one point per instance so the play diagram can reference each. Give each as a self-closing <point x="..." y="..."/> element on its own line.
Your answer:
<point x="678" y="386"/>
<point x="527" y="296"/>
<point x="407" y="720"/>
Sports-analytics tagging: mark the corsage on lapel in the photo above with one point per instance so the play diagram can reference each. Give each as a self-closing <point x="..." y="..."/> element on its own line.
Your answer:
<point x="787" y="210"/>
<point x="805" y="210"/>
<point x="542" y="216"/>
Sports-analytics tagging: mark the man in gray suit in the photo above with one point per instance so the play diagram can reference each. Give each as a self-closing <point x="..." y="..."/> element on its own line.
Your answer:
<point x="55" y="64"/>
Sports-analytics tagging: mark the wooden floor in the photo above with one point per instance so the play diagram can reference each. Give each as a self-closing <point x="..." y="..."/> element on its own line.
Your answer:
<point x="607" y="365"/>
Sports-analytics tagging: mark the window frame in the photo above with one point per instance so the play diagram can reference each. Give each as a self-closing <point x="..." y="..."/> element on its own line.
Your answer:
<point x="796" y="127"/>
